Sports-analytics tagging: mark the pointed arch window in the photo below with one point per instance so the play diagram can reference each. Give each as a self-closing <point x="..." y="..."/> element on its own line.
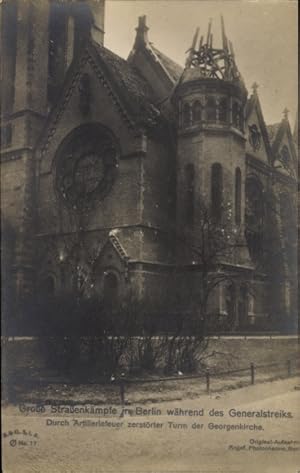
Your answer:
<point x="223" y="107"/>
<point x="241" y="119"/>
<point x="110" y="290"/>
<point x="211" y="109"/>
<point x="285" y="155"/>
<point x="189" y="190"/>
<point x="56" y="48"/>
<point x="254" y="217"/>
<point x="238" y="195"/>
<point x="216" y="191"/>
<point x="288" y="216"/>
<point x="243" y="305"/>
<point x="230" y="301"/>
<point x="196" y="112"/>
<point x="9" y="27"/>
<point x="186" y="118"/>
<point x="48" y="286"/>
<point x="238" y="116"/>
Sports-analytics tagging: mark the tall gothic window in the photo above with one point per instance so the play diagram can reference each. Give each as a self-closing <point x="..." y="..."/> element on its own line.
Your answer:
<point x="196" y="112"/>
<point x="223" y="110"/>
<point x="189" y="189"/>
<point x="56" y="48"/>
<point x="186" y="114"/>
<point x="216" y="191"/>
<point x="9" y="27"/>
<point x="254" y="217"/>
<point x="243" y="305"/>
<point x="238" y="195"/>
<point x="211" y="109"/>
<point x="230" y="300"/>
<point x="289" y="227"/>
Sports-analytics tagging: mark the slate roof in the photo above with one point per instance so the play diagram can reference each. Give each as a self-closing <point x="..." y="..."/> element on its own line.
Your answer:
<point x="272" y="131"/>
<point x="134" y="89"/>
<point x="174" y="69"/>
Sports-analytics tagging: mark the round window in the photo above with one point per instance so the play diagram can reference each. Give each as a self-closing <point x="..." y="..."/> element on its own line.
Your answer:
<point x="86" y="166"/>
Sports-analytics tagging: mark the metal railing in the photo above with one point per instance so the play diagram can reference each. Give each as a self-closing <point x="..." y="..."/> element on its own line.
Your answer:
<point x="288" y="369"/>
<point x="209" y="380"/>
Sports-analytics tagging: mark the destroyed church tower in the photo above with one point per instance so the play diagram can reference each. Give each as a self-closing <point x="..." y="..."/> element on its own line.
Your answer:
<point x="210" y="102"/>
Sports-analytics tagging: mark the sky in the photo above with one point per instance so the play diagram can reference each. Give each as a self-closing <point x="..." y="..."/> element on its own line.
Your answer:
<point x="263" y="33"/>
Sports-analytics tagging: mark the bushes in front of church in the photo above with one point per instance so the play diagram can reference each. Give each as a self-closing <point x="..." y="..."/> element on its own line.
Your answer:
<point x="83" y="339"/>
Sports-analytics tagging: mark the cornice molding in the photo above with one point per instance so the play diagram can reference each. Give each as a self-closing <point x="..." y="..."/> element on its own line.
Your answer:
<point x="14" y="154"/>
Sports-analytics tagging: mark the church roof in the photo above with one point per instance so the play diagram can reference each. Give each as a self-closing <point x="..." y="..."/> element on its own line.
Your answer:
<point x="134" y="89"/>
<point x="166" y="72"/>
<point x="174" y="69"/>
<point x="276" y="133"/>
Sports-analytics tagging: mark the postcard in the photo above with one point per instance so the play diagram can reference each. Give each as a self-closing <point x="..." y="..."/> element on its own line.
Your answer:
<point x="149" y="196"/>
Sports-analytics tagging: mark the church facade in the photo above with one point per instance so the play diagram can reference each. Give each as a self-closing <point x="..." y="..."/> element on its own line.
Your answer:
<point x="110" y="166"/>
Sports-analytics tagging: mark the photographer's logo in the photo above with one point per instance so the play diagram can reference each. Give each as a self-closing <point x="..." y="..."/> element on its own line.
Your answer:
<point x="21" y="438"/>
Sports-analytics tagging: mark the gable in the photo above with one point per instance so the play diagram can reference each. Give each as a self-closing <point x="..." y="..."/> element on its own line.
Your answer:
<point x="283" y="150"/>
<point x="100" y="88"/>
<point x="257" y="142"/>
<point x="110" y="258"/>
<point x="102" y="106"/>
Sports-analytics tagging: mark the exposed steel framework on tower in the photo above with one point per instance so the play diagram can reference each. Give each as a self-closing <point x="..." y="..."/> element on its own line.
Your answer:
<point x="213" y="63"/>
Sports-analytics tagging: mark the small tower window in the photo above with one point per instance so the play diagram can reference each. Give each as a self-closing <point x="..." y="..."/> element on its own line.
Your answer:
<point x="236" y="115"/>
<point x="216" y="191"/>
<point x="223" y="110"/>
<point x="186" y="114"/>
<point x="238" y="194"/>
<point x="189" y="193"/>
<point x="196" y="112"/>
<point x="211" y="109"/>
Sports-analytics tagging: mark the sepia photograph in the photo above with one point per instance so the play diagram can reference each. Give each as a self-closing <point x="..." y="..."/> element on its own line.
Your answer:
<point x="149" y="236"/>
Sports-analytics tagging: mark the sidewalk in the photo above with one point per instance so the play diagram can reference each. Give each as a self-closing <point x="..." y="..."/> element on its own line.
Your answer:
<point x="124" y="449"/>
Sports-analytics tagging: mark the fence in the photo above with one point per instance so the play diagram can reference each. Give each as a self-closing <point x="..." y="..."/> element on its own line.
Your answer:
<point x="123" y="389"/>
<point x="250" y="374"/>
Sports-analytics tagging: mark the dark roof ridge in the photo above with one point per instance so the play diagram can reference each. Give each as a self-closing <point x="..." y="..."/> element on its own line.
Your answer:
<point x="134" y="88"/>
<point x="173" y="68"/>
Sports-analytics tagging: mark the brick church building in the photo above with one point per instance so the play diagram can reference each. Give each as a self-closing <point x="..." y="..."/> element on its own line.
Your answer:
<point x="107" y="166"/>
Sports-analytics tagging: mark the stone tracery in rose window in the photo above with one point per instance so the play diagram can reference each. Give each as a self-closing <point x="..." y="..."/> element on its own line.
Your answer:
<point x="86" y="166"/>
